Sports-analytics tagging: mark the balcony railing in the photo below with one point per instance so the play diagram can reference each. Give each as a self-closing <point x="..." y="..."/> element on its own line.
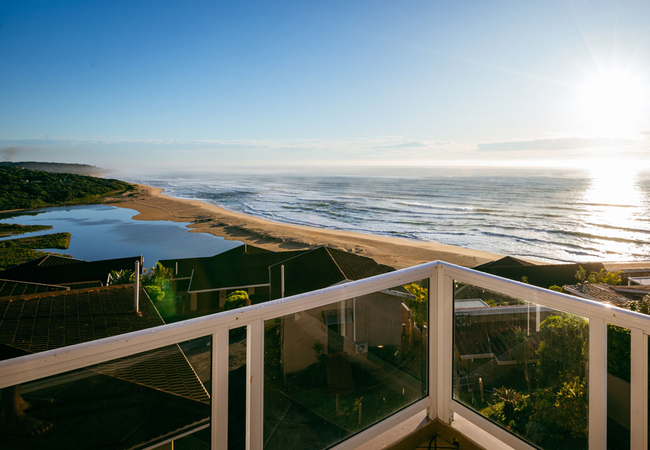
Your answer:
<point x="360" y="360"/>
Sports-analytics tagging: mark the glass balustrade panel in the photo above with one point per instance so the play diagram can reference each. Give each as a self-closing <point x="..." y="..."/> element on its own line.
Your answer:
<point x="332" y="371"/>
<point x="618" y="387"/>
<point x="522" y="365"/>
<point x="152" y="399"/>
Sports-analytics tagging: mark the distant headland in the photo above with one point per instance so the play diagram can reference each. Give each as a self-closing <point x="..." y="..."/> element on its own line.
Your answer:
<point x="54" y="167"/>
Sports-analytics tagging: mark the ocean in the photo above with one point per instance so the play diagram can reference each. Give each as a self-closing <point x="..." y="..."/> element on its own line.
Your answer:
<point x="547" y="215"/>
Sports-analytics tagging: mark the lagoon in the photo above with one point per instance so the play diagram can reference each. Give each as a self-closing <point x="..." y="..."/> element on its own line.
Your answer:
<point x="106" y="232"/>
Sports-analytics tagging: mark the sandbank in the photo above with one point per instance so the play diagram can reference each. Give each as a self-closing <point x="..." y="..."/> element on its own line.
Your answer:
<point x="206" y="218"/>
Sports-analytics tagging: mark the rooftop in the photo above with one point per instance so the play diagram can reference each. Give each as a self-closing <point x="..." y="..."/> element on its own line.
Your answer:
<point x="61" y="271"/>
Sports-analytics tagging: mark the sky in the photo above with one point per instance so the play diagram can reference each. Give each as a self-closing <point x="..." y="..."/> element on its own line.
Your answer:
<point x="161" y="84"/>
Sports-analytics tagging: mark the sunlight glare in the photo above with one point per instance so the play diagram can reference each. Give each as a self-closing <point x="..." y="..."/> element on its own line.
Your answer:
<point x="613" y="183"/>
<point x="614" y="101"/>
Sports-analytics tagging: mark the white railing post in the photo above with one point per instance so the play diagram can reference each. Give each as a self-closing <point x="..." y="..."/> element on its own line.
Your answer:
<point x="254" y="384"/>
<point x="432" y="323"/>
<point x="444" y="344"/>
<point x="220" y="371"/>
<point x="639" y="390"/>
<point x="597" y="384"/>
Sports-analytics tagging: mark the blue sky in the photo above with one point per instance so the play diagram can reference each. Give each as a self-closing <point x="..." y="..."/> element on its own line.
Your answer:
<point x="208" y="84"/>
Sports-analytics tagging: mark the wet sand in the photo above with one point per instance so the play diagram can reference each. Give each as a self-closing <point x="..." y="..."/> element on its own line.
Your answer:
<point x="206" y="218"/>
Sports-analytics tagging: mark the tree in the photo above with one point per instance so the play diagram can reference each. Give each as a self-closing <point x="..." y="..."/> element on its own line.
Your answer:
<point x="611" y="278"/>
<point x="155" y="281"/>
<point x="418" y="305"/>
<point x="159" y="275"/>
<point x="619" y="347"/>
<point x="521" y="349"/>
<point x="121" y="277"/>
<point x="510" y="399"/>
<point x="642" y="306"/>
<point x="561" y="411"/>
<point x="563" y="349"/>
<point x="237" y="299"/>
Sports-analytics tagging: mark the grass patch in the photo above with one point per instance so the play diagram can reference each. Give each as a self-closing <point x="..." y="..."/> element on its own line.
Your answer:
<point x="18" y="251"/>
<point x="12" y="229"/>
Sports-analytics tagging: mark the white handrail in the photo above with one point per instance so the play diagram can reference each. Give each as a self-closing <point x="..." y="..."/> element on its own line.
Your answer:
<point x="52" y="362"/>
<point x="441" y="275"/>
<point x="557" y="300"/>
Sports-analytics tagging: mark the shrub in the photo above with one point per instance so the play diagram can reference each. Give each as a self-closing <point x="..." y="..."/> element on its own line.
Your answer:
<point x="155" y="293"/>
<point x="563" y="349"/>
<point x="121" y="277"/>
<point x="237" y="299"/>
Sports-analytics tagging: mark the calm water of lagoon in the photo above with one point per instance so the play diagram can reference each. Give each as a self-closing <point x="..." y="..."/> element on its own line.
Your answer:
<point x="105" y="232"/>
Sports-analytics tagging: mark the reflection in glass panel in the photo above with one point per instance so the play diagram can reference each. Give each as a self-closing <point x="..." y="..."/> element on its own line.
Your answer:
<point x="332" y="371"/>
<point x="522" y="365"/>
<point x="618" y="387"/>
<point x="141" y="401"/>
<point x="237" y="389"/>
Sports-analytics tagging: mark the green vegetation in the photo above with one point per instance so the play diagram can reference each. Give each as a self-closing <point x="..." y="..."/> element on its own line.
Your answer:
<point x="418" y="305"/>
<point x="550" y="407"/>
<point x="611" y="278"/>
<point x="121" y="277"/>
<point x="563" y="349"/>
<point x="236" y="299"/>
<point x="19" y="251"/>
<point x="79" y="169"/>
<point x="27" y="189"/>
<point x="12" y="229"/>
<point x="642" y="306"/>
<point x="157" y="281"/>
<point x="619" y="349"/>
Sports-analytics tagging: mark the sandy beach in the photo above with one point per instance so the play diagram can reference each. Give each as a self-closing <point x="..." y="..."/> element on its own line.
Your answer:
<point x="205" y="218"/>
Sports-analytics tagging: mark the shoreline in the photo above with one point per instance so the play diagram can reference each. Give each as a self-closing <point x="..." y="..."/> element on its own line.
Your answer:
<point x="152" y="204"/>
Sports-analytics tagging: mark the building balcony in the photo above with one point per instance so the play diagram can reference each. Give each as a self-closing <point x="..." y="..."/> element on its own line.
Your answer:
<point x="390" y="361"/>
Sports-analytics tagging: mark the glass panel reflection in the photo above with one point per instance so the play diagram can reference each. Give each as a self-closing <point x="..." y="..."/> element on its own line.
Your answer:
<point x="333" y="371"/>
<point x="618" y="387"/>
<point x="146" y="400"/>
<point x="522" y="365"/>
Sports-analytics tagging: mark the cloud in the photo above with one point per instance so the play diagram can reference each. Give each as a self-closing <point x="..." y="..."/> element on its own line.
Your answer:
<point x="406" y="145"/>
<point x="555" y="144"/>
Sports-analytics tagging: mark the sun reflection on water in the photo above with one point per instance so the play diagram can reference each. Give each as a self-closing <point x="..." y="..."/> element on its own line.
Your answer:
<point x="613" y="206"/>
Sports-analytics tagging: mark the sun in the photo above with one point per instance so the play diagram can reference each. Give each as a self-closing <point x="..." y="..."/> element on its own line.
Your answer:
<point x="613" y="101"/>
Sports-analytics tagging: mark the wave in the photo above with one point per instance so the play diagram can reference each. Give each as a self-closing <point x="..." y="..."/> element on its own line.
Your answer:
<point x="497" y="214"/>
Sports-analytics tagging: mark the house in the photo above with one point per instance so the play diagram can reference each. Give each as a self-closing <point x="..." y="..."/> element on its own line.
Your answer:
<point x="201" y="285"/>
<point x="151" y="398"/>
<point x="351" y="328"/>
<point x="319" y="268"/>
<point x="639" y="270"/>
<point x="542" y="275"/>
<point x="61" y="271"/>
<point x="599" y="292"/>
<point x="10" y="288"/>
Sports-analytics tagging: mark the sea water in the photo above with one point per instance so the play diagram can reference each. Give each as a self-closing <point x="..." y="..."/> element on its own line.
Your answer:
<point x="107" y="232"/>
<point x="549" y="215"/>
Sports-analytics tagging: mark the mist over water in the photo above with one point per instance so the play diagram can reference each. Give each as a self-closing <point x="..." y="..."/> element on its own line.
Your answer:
<point x="561" y="216"/>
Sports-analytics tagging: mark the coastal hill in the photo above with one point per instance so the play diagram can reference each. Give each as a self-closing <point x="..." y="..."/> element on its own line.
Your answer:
<point x="26" y="189"/>
<point x="79" y="169"/>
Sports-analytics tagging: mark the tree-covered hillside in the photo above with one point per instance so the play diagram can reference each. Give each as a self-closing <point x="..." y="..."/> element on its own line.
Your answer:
<point x="25" y="189"/>
<point x="79" y="169"/>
